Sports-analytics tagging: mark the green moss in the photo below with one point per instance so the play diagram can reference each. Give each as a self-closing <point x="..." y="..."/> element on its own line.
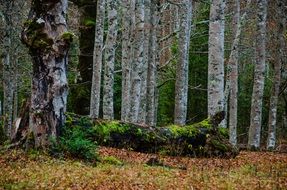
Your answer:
<point x="223" y="132"/>
<point x="111" y="160"/>
<point x="219" y="145"/>
<point x="89" y="22"/>
<point x="188" y="131"/>
<point x="203" y="124"/>
<point x="68" y="36"/>
<point x="105" y="129"/>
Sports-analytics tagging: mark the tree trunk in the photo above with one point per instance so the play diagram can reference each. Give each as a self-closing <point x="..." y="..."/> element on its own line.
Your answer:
<point x="147" y="30"/>
<point x="137" y="67"/>
<point x="88" y="14"/>
<point x="97" y="60"/>
<point x="127" y="55"/>
<point x="152" y="66"/>
<point x="8" y="68"/>
<point x="231" y="87"/>
<point x="271" y="140"/>
<point x="258" y="86"/>
<point x="45" y="33"/>
<point x="181" y="84"/>
<point x="110" y="47"/>
<point x="200" y="139"/>
<point x="216" y="57"/>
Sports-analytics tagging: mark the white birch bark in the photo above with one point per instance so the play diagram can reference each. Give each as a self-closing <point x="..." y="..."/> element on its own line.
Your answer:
<point x="181" y="84"/>
<point x="152" y="67"/>
<point x="216" y="57"/>
<point x="137" y="66"/>
<point x="259" y="72"/>
<point x="97" y="60"/>
<point x="127" y="55"/>
<point x="110" y="47"/>
<point x="271" y="140"/>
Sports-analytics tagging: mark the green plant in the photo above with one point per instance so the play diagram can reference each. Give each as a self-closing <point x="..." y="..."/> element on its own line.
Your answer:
<point x="74" y="142"/>
<point x="111" y="160"/>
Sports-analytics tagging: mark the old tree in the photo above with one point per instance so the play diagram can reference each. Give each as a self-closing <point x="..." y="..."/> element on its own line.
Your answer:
<point x="45" y="34"/>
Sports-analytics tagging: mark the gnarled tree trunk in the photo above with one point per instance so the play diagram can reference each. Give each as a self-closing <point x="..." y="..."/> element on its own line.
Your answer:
<point x="45" y="33"/>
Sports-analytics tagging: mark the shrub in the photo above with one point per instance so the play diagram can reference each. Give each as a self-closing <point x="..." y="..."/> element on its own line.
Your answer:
<point x="74" y="143"/>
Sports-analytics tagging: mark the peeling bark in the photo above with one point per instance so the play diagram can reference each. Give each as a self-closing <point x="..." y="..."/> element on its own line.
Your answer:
<point x="45" y="34"/>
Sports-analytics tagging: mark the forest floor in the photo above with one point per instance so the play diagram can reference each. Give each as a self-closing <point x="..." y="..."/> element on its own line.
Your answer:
<point x="123" y="169"/>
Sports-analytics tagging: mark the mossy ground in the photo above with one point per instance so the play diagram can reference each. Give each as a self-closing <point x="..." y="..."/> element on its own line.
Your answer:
<point x="123" y="169"/>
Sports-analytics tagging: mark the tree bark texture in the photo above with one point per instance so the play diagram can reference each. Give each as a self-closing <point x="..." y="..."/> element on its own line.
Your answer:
<point x="8" y="68"/>
<point x="259" y="77"/>
<point x="97" y="60"/>
<point x="271" y="140"/>
<point x="181" y="84"/>
<point x="137" y="66"/>
<point x="45" y="33"/>
<point x="231" y="87"/>
<point x="110" y="47"/>
<point x="152" y="66"/>
<point x="216" y="57"/>
<point x="147" y="30"/>
<point x="127" y="55"/>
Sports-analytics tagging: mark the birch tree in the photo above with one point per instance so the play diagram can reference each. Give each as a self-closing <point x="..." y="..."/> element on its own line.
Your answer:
<point x="110" y="46"/>
<point x="216" y="57"/>
<point x="97" y="60"/>
<point x="259" y="72"/>
<point x="137" y="66"/>
<point x="181" y="84"/>
<point x="280" y="41"/>
<point x="45" y="33"/>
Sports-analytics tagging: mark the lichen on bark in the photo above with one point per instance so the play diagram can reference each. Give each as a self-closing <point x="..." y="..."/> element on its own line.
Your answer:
<point x="45" y="34"/>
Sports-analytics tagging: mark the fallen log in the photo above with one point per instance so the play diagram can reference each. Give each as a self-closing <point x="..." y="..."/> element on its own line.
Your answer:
<point x="204" y="139"/>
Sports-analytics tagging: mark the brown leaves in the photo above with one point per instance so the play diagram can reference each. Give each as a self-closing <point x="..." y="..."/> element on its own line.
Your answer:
<point x="250" y="170"/>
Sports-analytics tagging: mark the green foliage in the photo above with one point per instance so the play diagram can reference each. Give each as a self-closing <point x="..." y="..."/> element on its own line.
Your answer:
<point x="187" y="131"/>
<point x="2" y="133"/>
<point x="68" y="36"/>
<point x="75" y="142"/>
<point x="198" y="67"/>
<point x="103" y="130"/>
<point x="89" y="22"/>
<point x="112" y="160"/>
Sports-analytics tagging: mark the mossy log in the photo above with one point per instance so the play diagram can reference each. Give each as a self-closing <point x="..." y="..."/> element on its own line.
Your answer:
<point x="202" y="139"/>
